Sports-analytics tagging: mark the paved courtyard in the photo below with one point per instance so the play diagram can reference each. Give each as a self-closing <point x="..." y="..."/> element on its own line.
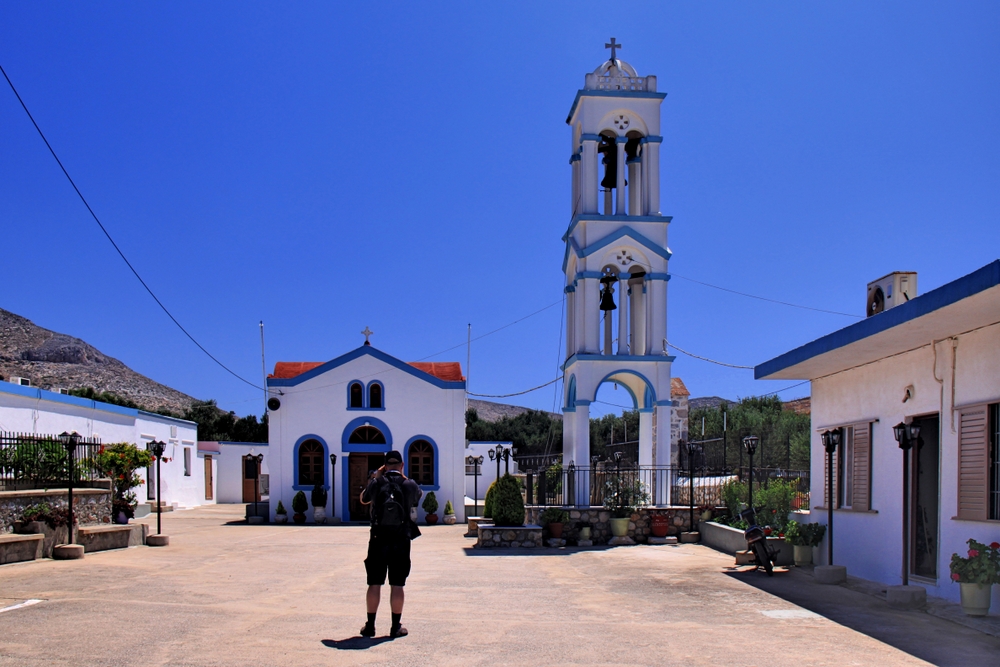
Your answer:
<point x="225" y="593"/>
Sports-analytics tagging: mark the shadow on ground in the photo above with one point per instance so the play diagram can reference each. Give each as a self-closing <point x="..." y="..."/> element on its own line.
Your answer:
<point x="539" y="551"/>
<point x="912" y="631"/>
<point x="356" y="643"/>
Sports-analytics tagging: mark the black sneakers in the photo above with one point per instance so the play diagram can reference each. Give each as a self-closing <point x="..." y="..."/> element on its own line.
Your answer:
<point x="398" y="631"/>
<point x="368" y="630"/>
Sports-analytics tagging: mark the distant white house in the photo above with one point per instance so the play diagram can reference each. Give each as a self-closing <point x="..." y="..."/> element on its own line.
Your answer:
<point x="933" y="360"/>
<point x="332" y="423"/>
<point x="186" y="479"/>
<point x="237" y="478"/>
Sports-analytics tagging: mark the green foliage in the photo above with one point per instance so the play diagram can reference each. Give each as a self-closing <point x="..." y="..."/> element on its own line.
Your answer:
<point x="318" y="496"/>
<point x="120" y="462"/>
<point x="554" y="515"/>
<point x="430" y="504"/>
<point x="623" y="493"/>
<point x="103" y="397"/>
<point x="784" y="434"/>
<point x="53" y="516"/>
<point x="620" y="427"/>
<point x="804" y="534"/>
<point x="508" y="505"/>
<point x="281" y="509"/>
<point x="774" y="502"/>
<point x="734" y="493"/>
<point x="488" y="503"/>
<point x="299" y="503"/>
<point x="980" y="566"/>
<point x="38" y="461"/>
<point x="554" y="478"/>
<point x="532" y="432"/>
<point x="214" y="424"/>
<point x="448" y="508"/>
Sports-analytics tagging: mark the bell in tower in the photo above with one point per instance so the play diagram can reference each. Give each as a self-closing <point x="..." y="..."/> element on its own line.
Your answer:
<point x="609" y="150"/>
<point x="607" y="293"/>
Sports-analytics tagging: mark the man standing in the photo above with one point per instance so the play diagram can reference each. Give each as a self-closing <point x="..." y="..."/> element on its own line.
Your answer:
<point x="392" y="496"/>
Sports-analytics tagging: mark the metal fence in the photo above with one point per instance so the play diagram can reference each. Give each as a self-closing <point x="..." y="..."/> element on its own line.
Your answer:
<point x="31" y="461"/>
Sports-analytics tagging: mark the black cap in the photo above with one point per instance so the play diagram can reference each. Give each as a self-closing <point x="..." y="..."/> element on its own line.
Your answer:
<point x="393" y="458"/>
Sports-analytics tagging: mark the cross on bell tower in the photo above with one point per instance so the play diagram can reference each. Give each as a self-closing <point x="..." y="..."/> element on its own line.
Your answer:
<point x="612" y="46"/>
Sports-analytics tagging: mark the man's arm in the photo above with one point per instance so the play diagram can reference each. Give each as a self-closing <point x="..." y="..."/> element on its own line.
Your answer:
<point x="368" y="495"/>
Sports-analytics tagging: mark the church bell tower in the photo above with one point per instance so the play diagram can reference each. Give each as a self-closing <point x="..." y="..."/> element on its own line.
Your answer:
<point x="616" y="260"/>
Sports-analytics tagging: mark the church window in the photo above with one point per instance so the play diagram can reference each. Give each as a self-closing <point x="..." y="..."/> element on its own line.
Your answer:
<point x="310" y="463"/>
<point x="366" y="435"/>
<point x="357" y="395"/>
<point x="422" y="462"/>
<point x="375" y="395"/>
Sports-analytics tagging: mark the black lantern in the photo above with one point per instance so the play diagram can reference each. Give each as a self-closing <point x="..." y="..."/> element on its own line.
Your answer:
<point x="906" y="435"/>
<point x="831" y="440"/>
<point x="156" y="448"/>
<point x="70" y="441"/>
<point x="475" y="462"/>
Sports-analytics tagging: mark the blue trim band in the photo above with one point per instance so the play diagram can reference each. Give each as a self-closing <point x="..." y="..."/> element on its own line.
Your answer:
<point x="89" y="404"/>
<point x="365" y="350"/>
<point x="295" y="462"/>
<point x="365" y="421"/>
<point x="621" y="140"/>
<point x="406" y="460"/>
<point x="610" y="93"/>
<point x="946" y="295"/>
<point x="590" y="137"/>
<point x="594" y="217"/>
<point x="569" y="289"/>
<point x="583" y="356"/>
<point x="575" y="157"/>
<point x="651" y="139"/>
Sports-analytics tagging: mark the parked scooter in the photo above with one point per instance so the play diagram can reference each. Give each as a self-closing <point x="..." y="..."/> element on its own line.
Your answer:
<point x="757" y="541"/>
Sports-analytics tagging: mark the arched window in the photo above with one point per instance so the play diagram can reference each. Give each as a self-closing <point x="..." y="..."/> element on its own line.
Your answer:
<point x="366" y="435"/>
<point x="357" y="395"/>
<point x="422" y="462"/>
<point x="310" y="463"/>
<point x="374" y="395"/>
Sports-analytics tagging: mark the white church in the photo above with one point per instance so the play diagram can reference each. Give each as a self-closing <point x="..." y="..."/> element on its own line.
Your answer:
<point x="331" y="422"/>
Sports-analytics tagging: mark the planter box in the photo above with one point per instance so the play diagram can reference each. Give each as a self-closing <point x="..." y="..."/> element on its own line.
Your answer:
<point x="102" y="538"/>
<point x="17" y="548"/>
<point x="493" y="537"/>
<point x="730" y="540"/>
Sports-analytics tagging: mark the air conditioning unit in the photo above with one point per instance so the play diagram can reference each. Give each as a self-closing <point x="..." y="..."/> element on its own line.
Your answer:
<point x="890" y="291"/>
<point x="64" y="392"/>
<point x="24" y="382"/>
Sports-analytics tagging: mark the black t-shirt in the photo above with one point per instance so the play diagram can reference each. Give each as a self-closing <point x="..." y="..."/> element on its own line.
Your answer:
<point x="411" y="491"/>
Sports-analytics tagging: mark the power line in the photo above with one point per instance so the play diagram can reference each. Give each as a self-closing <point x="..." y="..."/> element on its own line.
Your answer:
<point x="763" y="298"/>
<point x="711" y="361"/>
<point x="517" y="393"/>
<point x="119" y="250"/>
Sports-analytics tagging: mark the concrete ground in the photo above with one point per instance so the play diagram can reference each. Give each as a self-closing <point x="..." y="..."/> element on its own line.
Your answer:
<point x="225" y="593"/>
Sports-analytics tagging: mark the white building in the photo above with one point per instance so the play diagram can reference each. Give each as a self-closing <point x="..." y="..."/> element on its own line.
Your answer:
<point x="186" y="480"/>
<point x="616" y="261"/>
<point x="237" y="478"/>
<point x="933" y="360"/>
<point x="331" y="423"/>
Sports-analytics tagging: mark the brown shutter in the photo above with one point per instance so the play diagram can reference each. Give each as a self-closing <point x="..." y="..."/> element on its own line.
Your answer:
<point x="825" y="500"/>
<point x="973" y="455"/>
<point x="862" y="482"/>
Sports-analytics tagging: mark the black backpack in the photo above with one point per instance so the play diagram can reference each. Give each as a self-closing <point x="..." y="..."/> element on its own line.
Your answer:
<point x="390" y="511"/>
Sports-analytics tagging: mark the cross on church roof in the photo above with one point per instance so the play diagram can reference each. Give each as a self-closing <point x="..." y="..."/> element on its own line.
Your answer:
<point x="367" y="332"/>
<point x="612" y="46"/>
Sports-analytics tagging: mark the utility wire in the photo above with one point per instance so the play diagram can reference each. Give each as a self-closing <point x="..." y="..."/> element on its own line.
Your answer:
<point x="517" y="393"/>
<point x="119" y="250"/>
<point x="711" y="361"/>
<point x="763" y="298"/>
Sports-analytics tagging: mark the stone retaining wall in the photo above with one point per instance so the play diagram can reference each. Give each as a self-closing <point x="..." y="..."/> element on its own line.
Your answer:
<point x="91" y="506"/>
<point x="600" y="526"/>
<point x="524" y="537"/>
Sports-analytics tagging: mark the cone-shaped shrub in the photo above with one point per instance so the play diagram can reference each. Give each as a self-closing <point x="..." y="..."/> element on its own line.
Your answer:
<point x="508" y="506"/>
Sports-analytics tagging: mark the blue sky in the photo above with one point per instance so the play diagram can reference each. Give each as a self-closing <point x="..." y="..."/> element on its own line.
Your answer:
<point x="403" y="166"/>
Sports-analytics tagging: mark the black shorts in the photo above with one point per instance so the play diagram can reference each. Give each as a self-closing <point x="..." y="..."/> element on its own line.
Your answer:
<point x="388" y="554"/>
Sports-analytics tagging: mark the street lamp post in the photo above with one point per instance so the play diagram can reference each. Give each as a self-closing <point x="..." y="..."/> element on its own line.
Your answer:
<point x="259" y="458"/>
<point x="70" y="441"/>
<point x="157" y="447"/>
<point x="499" y="453"/>
<point x="831" y="440"/>
<point x="475" y="462"/>
<point x="750" y="444"/>
<point x="333" y="482"/>
<point x="906" y="436"/>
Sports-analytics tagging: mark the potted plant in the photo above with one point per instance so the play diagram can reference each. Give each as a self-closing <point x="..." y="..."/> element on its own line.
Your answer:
<point x="449" y="513"/>
<point x="319" y="498"/>
<point x="430" y="506"/>
<point x="555" y="518"/>
<point x="120" y="462"/>
<point x="584" y="531"/>
<point x="623" y="493"/>
<point x="976" y="574"/>
<point x="803" y="537"/>
<point x="508" y="504"/>
<point x="659" y="525"/>
<point x="280" y="515"/>
<point x="299" y="506"/>
<point x="705" y="512"/>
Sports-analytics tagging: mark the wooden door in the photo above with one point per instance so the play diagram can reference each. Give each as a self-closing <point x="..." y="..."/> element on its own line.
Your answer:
<point x="250" y="494"/>
<point x="209" y="495"/>
<point x="360" y="467"/>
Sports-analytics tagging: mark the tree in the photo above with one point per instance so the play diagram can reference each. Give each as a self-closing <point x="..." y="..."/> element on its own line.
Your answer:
<point x="784" y="435"/>
<point x="532" y="432"/>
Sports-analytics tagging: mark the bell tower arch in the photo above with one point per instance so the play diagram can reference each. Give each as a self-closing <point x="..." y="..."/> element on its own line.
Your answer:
<point x="616" y="258"/>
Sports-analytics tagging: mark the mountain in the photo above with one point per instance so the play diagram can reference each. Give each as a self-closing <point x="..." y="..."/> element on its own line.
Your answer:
<point x="52" y="360"/>
<point x="491" y="412"/>
<point x="710" y="402"/>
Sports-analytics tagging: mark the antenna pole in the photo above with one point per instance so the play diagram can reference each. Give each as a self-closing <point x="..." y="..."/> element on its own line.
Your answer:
<point x="468" y="364"/>
<point x="263" y="365"/>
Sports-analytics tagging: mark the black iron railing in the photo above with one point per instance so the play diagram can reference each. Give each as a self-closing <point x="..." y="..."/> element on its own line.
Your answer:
<point x="32" y="461"/>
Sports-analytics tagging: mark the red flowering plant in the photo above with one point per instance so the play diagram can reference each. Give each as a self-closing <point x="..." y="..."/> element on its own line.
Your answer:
<point x="120" y="462"/>
<point x="980" y="566"/>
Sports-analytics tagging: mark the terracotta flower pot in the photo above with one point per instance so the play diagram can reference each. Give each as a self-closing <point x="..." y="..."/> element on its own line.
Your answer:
<point x="431" y="519"/>
<point x="299" y="517"/>
<point x="659" y="525"/>
<point x="556" y="530"/>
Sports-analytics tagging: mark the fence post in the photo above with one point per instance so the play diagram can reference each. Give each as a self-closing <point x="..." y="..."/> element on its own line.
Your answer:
<point x="570" y="486"/>
<point x="529" y="486"/>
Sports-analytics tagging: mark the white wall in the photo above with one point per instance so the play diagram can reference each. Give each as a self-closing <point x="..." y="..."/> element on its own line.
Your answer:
<point x="36" y="411"/>
<point x="488" y="469"/>
<point x="230" y="470"/>
<point x="870" y="544"/>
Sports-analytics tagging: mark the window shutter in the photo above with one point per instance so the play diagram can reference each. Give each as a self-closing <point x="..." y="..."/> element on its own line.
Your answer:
<point x="825" y="501"/>
<point x="862" y="483"/>
<point x="973" y="455"/>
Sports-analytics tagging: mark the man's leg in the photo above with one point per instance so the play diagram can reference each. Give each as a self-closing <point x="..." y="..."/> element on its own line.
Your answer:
<point x="374" y="595"/>
<point x="396" y="598"/>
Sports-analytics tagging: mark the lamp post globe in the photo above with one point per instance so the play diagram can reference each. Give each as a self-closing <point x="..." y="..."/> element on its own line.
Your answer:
<point x="157" y="447"/>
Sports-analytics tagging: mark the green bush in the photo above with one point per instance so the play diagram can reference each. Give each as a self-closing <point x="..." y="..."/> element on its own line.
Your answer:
<point x="281" y="509"/>
<point x="488" y="504"/>
<point x="554" y="515"/>
<point x="448" y="508"/>
<point x="299" y="503"/>
<point x="53" y="516"/>
<point x="430" y="503"/>
<point x="804" y="534"/>
<point x="775" y="502"/>
<point x="508" y="505"/>
<point x="734" y="494"/>
<point x="982" y="566"/>
<point x="120" y="463"/>
<point x="623" y="493"/>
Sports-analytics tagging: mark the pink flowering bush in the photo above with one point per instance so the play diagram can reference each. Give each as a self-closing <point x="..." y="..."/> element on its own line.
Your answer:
<point x="981" y="566"/>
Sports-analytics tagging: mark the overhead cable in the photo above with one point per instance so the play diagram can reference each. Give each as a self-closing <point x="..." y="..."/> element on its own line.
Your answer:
<point x="119" y="250"/>
<point x="711" y="361"/>
<point x="517" y="393"/>
<point x="763" y="298"/>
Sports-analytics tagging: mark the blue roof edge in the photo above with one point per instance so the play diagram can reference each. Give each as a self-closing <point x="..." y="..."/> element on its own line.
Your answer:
<point x="46" y="395"/>
<point x="359" y="352"/>
<point x="978" y="281"/>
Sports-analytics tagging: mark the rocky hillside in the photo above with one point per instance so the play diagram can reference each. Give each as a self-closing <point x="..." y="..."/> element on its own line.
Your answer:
<point x="491" y="412"/>
<point x="53" y="360"/>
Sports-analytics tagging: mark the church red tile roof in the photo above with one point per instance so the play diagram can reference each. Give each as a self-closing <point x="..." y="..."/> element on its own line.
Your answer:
<point x="449" y="371"/>
<point x="677" y="387"/>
